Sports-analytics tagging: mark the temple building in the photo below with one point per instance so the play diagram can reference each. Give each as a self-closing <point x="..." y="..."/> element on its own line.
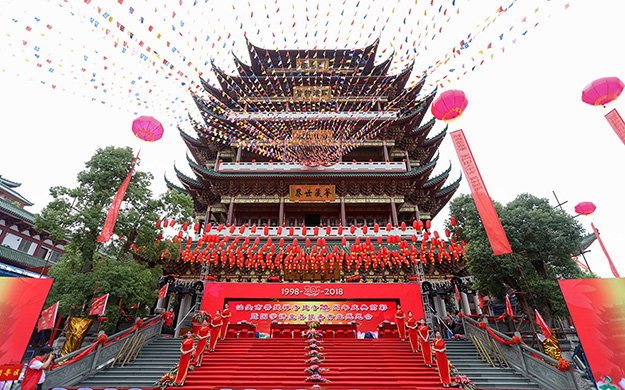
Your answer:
<point x="24" y="251"/>
<point x="304" y="143"/>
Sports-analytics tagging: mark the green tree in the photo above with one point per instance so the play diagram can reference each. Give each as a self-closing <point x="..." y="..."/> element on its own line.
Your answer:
<point x="123" y="267"/>
<point x="542" y="239"/>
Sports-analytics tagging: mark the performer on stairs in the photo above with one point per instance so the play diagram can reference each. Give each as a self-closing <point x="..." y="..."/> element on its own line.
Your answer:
<point x="411" y="324"/>
<point x="400" y="318"/>
<point x="226" y="320"/>
<point x="441" y="360"/>
<point x="216" y="324"/>
<point x="202" y="342"/>
<point x="424" y="340"/>
<point x="186" y="349"/>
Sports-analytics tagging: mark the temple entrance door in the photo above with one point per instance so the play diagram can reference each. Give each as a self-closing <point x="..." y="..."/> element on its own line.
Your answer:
<point x="312" y="219"/>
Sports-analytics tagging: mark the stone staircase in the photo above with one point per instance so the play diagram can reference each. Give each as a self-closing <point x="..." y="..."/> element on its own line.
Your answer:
<point x="465" y="357"/>
<point x="154" y="360"/>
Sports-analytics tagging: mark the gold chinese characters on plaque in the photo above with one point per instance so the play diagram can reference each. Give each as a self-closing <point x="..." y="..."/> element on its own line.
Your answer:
<point x="312" y="193"/>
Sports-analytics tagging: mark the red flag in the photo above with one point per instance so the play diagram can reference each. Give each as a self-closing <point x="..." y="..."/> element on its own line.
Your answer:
<point x="492" y="224"/>
<point x="543" y="324"/>
<point x="617" y="123"/>
<point x="111" y="217"/>
<point x="457" y="293"/>
<point x="612" y="267"/>
<point x="46" y="321"/>
<point x="162" y="293"/>
<point x="135" y="306"/>
<point x="99" y="305"/>
<point x="509" y="308"/>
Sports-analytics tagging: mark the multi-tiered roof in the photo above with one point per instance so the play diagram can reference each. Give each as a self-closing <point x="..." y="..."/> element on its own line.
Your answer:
<point x="330" y="117"/>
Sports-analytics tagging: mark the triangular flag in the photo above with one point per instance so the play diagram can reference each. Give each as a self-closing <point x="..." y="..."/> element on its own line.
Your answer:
<point x="135" y="306"/>
<point x="99" y="305"/>
<point x="543" y="325"/>
<point x="162" y="293"/>
<point x="46" y="321"/>
<point x="509" y="308"/>
<point x="457" y="293"/>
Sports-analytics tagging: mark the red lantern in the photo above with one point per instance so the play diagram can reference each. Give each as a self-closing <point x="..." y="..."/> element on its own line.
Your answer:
<point x="352" y="229"/>
<point x="340" y="230"/>
<point x="196" y="227"/>
<point x="158" y="223"/>
<point x="316" y="231"/>
<point x="403" y="226"/>
<point x="376" y="228"/>
<point x="172" y="223"/>
<point x="365" y="229"/>
<point x="449" y="105"/>
<point x="232" y="229"/>
<point x="453" y="221"/>
<point x="185" y="226"/>
<point x="602" y="91"/>
<point x="266" y="231"/>
<point x="447" y="233"/>
<point x="304" y="230"/>
<point x="253" y="229"/>
<point x="328" y="230"/>
<point x="428" y="225"/>
<point x="388" y="227"/>
<point x="279" y="231"/>
<point x="585" y="208"/>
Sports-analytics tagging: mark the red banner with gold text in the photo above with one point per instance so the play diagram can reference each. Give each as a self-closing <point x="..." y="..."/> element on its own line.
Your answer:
<point x="21" y="301"/>
<point x="617" y="123"/>
<point x="383" y="297"/>
<point x="490" y="219"/>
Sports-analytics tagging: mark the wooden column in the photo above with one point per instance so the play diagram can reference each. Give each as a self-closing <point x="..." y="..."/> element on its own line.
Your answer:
<point x="394" y="219"/>
<point x="239" y="150"/>
<point x="385" y="151"/>
<point x="343" y="215"/>
<point x="7" y="227"/>
<point x="217" y="161"/>
<point x="281" y="213"/>
<point x="417" y="216"/>
<point x="41" y="239"/>
<point x="230" y="211"/>
<point x="207" y="218"/>
<point x="408" y="167"/>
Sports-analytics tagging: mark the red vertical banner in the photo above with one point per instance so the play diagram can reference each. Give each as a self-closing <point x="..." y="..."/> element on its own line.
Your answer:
<point x="99" y="305"/>
<point x="617" y="123"/>
<point x="490" y="219"/>
<point x="612" y="267"/>
<point x="111" y="217"/>
<point x="46" y="321"/>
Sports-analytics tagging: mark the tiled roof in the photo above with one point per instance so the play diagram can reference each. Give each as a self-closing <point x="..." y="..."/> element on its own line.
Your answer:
<point x="175" y="187"/>
<point x="10" y="208"/>
<point x="17" y="257"/>
<point x="8" y="185"/>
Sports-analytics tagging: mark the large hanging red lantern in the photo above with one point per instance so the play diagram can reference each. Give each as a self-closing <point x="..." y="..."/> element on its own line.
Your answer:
<point x="602" y="91"/>
<point x="449" y="105"/>
<point x="585" y="208"/>
<point x="147" y="128"/>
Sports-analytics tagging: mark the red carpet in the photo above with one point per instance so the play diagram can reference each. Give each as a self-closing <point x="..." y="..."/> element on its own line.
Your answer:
<point x="279" y="364"/>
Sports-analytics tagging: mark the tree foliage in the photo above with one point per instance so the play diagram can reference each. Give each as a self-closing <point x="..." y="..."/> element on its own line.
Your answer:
<point x="79" y="214"/>
<point x="542" y="239"/>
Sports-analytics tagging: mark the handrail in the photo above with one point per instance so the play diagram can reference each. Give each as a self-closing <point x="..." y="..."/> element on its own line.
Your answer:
<point x="531" y="363"/>
<point x="183" y="318"/>
<point x="98" y="355"/>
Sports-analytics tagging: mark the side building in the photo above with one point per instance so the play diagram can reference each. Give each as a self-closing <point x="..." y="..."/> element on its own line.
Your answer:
<point x="24" y="252"/>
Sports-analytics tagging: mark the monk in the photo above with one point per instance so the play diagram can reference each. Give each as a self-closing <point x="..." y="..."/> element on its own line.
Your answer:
<point x="424" y="340"/>
<point x="441" y="360"/>
<point x="411" y="325"/>
<point x="216" y="324"/>
<point x="186" y="349"/>
<point x="226" y="320"/>
<point x="400" y="318"/>
<point x="202" y="335"/>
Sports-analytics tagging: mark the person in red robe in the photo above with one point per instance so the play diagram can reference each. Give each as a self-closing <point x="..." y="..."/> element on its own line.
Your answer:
<point x="441" y="360"/>
<point x="400" y="318"/>
<point x="216" y="324"/>
<point x="225" y="315"/>
<point x="202" y="335"/>
<point x="424" y="341"/>
<point x="35" y="375"/>
<point x="411" y="325"/>
<point x="186" y="349"/>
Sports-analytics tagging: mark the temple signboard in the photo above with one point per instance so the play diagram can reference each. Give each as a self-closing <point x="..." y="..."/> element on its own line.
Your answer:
<point x="312" y="193"/>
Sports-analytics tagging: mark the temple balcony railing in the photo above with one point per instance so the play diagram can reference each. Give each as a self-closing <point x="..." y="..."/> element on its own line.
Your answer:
<point x="313" y="115"/>
<point x="281" y="167"/>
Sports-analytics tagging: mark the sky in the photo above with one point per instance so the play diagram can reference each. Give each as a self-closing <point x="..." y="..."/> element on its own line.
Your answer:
<point x="527" y="127"/>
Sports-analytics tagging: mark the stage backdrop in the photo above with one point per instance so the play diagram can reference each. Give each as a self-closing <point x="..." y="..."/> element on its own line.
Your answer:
<point x="598" y="310"/>
<point x="21" y="302"/>
<point x="261" y="303"/>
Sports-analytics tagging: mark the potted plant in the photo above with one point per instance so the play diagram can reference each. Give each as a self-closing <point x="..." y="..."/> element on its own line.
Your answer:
<point x="197" y="319"/>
